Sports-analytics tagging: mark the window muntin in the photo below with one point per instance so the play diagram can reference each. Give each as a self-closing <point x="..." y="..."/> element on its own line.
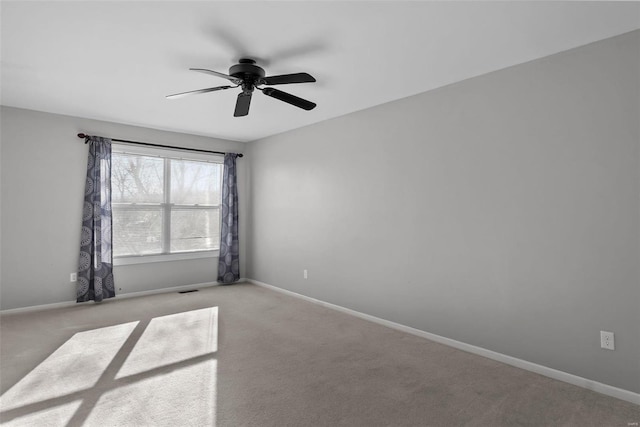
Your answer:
<point x="163" y="204"/>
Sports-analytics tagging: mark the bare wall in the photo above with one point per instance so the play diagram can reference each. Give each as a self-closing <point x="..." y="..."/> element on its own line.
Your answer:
<point x="502" y="211"/>
<point x="42" y="178"/>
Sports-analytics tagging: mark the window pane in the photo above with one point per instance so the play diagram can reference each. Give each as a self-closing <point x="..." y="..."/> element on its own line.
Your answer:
<point x="195" y="229"/>
<point x="136" y="179"/>
<point x="195" y="182"/>
<point x="137" y="231"/>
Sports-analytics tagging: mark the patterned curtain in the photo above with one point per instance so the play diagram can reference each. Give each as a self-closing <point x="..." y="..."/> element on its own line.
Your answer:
<point x="229" y="261"/>
<point x="95" y="269"/>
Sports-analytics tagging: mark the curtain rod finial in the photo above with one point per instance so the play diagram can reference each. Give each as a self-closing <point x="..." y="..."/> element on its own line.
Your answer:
<point x="81" y="135"/>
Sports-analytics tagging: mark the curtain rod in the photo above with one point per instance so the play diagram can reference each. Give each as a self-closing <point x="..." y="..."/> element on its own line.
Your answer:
<point x="84" y="136"/>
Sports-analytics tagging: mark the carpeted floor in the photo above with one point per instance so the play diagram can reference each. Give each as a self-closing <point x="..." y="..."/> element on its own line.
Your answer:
<point x="243" y="355"/>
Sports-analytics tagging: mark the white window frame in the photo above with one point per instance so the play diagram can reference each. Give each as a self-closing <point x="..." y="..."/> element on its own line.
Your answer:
<point x="123" y="148"/>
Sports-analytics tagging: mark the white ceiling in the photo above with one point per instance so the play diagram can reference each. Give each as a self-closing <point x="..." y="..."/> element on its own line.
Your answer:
<point x="116" y="61"/>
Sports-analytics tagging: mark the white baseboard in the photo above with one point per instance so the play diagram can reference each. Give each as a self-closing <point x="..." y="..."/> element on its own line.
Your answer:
<point x="38" y="307"/>
<point x="165" y="290"/>
<point x="119" y="296"/>
<point x="608" y="390"/>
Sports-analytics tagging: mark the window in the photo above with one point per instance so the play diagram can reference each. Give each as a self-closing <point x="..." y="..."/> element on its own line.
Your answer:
<point x="164" y="204"/>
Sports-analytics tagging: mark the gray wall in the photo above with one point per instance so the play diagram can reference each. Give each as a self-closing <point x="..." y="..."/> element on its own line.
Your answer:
<point x="42" y="179"/>
<point x="502" y="211"/>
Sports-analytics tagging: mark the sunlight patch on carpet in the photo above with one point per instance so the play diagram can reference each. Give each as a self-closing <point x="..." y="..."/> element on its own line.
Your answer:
<point x="56" y="416"/>
<point x="184" y="396"/>
<point x="76" y="365"/>
<point x="172" y="339"/>
<point x="160" y="373"/>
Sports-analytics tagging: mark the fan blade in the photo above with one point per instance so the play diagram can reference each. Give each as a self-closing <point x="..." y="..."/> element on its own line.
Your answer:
<point x="193" y="92"/>
<point x="289" y="99"/>
<point x="242" y="104"/>
<point x="289" y="78"/>
<point x="215" y="73"/>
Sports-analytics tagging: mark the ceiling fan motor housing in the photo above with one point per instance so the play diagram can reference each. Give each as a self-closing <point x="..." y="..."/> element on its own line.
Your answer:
<point x="248" y="72"/>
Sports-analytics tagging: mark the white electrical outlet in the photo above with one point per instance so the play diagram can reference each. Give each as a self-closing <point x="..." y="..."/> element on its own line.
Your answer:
<point x="73" y="277"/>
<point x="304" y="273"/>
<point x="606" y="340"/>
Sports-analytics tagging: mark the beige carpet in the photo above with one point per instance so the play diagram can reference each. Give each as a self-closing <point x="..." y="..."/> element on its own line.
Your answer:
<point x="242" y="355"/>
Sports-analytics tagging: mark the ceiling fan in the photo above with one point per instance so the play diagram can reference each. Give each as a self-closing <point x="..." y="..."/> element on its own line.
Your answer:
<point x="247" y="75"/>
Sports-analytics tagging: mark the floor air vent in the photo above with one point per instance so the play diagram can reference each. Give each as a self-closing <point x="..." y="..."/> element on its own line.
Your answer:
<point x="186" y="292"/>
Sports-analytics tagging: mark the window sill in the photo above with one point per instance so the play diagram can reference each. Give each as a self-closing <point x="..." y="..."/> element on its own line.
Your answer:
<point x="144" y="259"/>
